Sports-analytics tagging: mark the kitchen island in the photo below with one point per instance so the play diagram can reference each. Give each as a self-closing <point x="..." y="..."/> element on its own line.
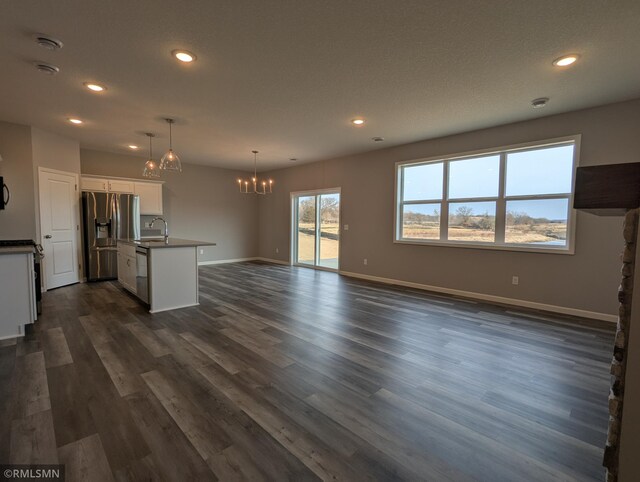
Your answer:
<point x="17" y="289"/>
<point x="161" y="273"/>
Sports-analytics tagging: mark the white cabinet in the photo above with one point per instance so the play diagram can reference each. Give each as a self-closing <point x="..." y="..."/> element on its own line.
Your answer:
<point x="121" y="185"/>
<point x="150" y="197"/>
<point x="17" y="293"/>
<point x="94" y="184"/>
<point x="150" y="192"/>
<point x="127" y="269"/>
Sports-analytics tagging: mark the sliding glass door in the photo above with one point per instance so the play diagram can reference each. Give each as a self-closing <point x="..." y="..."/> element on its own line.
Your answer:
<point x="316" y="229"/>
<point x="306" y="230"/>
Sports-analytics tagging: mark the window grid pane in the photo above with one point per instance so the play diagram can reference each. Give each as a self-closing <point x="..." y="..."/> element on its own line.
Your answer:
<point x="477" y="177"/>
<point x="474" y="222"/>
<point x="537" y="222"/>
<point x="421" y="221"/>
<point x="422" y="182"/>
<point x="540" y="171"/>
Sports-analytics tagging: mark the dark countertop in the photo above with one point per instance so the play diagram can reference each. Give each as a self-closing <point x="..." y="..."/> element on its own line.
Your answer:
<point x="160" y="243"/>
<point x="16" y="249"/>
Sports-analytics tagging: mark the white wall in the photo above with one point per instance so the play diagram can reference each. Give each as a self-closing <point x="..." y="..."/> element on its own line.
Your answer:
<point x="17" y="220"/>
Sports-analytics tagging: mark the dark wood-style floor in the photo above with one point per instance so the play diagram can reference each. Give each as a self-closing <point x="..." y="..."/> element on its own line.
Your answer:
<point x="290" y="373"/>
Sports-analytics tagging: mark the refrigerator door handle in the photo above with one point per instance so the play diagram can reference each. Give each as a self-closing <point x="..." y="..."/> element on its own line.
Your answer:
<point x="115" y="215"/>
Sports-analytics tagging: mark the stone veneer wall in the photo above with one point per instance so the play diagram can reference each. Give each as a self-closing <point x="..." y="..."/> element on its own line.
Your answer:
<point x="619" y="361"/>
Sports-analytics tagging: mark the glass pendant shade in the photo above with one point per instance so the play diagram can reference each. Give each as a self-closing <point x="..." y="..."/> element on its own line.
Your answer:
<point x="170" y="161"/>
<point x="151" y="169"/>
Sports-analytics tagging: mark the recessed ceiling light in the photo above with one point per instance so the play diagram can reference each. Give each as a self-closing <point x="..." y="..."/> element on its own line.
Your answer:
<point x="357" y="122"/>
<point x="133" y="146"/>
<point x="566" y="60"/>
<point x="539" y="102"/>
<point x="95" y="87"/>
<point x="73" y="120"/>
<point x="184" y="56"/>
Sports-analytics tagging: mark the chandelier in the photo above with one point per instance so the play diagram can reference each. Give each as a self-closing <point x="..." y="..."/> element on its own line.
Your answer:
<point x="255" y="186"/>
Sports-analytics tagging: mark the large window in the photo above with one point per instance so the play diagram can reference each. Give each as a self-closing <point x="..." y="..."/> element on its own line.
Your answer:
<point x="513" y="198"/>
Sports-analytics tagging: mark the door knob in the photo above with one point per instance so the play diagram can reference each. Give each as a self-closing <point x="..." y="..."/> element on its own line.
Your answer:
<point x="47" y="236"/>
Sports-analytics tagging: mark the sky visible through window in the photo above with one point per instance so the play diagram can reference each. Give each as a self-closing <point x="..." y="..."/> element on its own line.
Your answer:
<point x="423" y="182"/>
<point x="477" y="177"/>
<point x="535" y="172"/>
<point x="542" y="171"/>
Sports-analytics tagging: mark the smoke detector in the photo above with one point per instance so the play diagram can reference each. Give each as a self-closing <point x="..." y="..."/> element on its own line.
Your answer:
<point x="46" y="68"/>
<point x="47" y="42"/>
<point x="539" y="102"/>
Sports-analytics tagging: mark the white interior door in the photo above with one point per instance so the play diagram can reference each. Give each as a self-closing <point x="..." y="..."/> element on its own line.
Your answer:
<point x="59" y="227"/>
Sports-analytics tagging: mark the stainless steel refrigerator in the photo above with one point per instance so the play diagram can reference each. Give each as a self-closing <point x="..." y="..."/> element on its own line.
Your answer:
<point x="107" y="217"/>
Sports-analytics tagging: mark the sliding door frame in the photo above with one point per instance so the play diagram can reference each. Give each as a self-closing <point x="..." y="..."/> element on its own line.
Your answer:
<point x="293" y="235"/>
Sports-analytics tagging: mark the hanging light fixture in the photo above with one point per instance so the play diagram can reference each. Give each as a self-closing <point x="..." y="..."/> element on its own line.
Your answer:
<point x="151" y="168"/>
<point x="254" y="186"/>
<point x="170" y="161"/>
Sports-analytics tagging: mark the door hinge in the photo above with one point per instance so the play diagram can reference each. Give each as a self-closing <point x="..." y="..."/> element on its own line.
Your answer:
<point x="79" y="267"/>
<point x="76" y="187"/>
<point x="77" y="227"/>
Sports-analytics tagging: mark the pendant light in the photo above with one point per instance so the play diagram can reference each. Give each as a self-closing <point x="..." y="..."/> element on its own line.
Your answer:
<point x="254" y="186"/>
<point x="151" y="168"/>
<point x="170" y="161"/>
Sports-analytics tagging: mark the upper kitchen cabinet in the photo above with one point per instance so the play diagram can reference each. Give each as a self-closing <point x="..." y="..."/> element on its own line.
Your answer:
<point x="101" y="184"/>
<point x="150" y="197"/>
<point x="122" y="186"/>
<point x="94" y="184"/>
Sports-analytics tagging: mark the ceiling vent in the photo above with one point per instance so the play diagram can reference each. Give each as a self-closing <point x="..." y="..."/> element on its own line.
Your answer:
<point x="540" y="102"/>
<point x="47" y="42"/>
<point x="46" y="68"/>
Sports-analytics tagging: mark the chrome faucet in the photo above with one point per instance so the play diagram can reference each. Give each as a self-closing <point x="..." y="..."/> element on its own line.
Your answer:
<point x="166" y="227"/>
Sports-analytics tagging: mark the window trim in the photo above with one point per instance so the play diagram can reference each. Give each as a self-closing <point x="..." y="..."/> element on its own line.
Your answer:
<point x="501" y="200"/>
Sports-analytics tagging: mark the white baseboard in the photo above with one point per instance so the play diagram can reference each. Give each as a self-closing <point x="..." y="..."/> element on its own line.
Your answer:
<point x="225" y="261"/>
<point x="274" y="261"/>
<point x="242" y="260"/>
<point x="173" y="308"/>
<point x="484" y="297"/>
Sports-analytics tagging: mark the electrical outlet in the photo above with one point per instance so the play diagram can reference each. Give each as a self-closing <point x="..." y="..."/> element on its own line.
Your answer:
<point x="202" y="251"/>
<point x="365" y="261"/>
<point x="346" y="227"/>
<point x="277" y="250"/>
<point x="515" y="280"/>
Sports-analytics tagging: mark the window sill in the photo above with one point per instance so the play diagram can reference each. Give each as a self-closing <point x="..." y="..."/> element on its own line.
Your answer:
<point x="512" y="247"/>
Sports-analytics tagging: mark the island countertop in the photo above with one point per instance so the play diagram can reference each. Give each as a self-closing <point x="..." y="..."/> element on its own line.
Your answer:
<point x="161" y="243"/>
<point x="16" y="249"/>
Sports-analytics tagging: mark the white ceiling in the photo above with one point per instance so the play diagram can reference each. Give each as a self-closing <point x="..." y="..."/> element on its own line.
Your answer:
<point x="286" y="76"/>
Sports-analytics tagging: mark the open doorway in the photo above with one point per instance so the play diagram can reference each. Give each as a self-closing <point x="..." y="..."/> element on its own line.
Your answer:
<point x="316" y="229"/>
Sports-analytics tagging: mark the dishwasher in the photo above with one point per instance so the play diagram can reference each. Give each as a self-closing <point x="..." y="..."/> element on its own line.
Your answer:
<point x="142" y="274"/>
